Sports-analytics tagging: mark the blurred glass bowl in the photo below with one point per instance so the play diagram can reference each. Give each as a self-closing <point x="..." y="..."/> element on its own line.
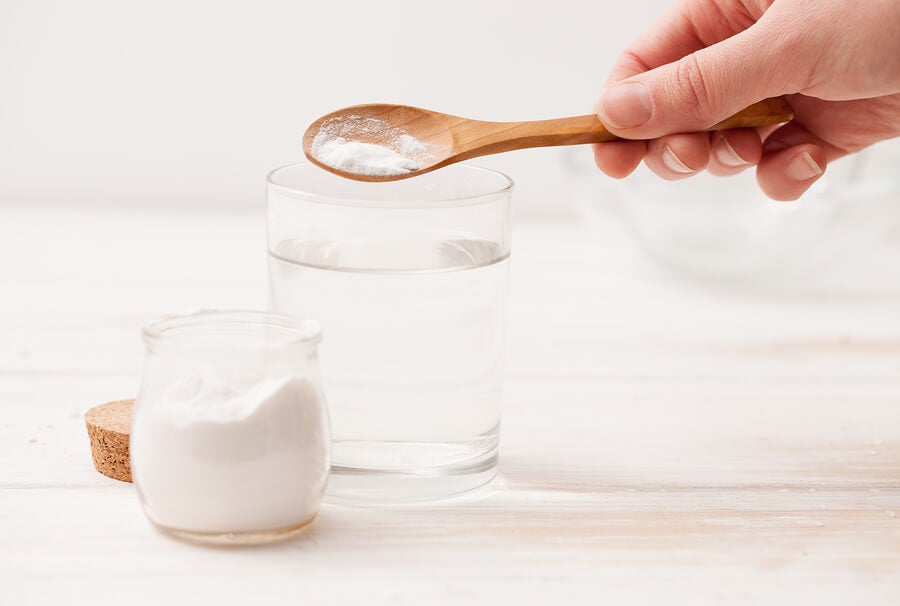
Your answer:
<point x="725" y="228"/>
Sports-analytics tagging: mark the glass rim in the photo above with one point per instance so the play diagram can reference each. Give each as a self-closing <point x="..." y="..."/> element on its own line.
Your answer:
<point x="458" y="201"/>
<point x="306" y="331"/>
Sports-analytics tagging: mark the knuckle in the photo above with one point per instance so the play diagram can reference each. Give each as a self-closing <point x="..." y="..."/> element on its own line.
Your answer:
<point x="693" y="87"/>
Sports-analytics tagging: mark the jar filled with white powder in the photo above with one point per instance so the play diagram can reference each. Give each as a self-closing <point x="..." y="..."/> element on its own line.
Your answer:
<point x="230" y="438"/>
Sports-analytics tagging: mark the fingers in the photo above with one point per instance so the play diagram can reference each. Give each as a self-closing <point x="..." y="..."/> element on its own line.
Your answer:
<point x="793" y="159"/>
<point x="785" y="175"/>
<point x="678" y="156"/>
<point x="692" y="93"/>
<point x="734" y="150"/>
<point x="619" y="158"/>
<point x="699" y="64"/>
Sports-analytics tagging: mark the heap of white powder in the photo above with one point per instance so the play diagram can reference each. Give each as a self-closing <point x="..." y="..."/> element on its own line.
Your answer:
<point x="207" y="457"/>
<point x="339" y="144"/>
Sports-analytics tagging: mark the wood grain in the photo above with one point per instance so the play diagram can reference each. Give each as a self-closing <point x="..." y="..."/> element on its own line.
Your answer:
<point x="662" y="442"/>
<point x="453" y="139"/>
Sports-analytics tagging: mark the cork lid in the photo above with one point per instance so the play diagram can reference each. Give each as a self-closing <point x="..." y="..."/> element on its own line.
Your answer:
<point x="109" y="431"/>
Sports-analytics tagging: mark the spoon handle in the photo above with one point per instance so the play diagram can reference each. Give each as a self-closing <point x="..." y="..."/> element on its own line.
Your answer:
<point x="496" y="137"/>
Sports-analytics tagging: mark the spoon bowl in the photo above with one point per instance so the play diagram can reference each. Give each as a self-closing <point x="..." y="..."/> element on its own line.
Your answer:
<point x="430" y="140"/>
<point x="381" y="124"/>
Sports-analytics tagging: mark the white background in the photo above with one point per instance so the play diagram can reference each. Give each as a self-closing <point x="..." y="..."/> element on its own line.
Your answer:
<point x="173" y="102"/>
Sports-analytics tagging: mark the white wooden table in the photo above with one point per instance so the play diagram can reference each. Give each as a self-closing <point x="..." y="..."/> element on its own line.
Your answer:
<point x="663" y="441"/>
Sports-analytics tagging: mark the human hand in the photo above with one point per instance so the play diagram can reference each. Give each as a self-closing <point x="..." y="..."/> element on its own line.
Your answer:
<point x="838" y="62"/>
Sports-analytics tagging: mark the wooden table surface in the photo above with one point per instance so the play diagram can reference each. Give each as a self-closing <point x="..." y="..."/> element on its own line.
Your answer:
<point x="664" y="440"/>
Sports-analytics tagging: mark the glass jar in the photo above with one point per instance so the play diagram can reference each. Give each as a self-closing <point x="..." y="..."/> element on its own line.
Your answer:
<point x="409" y="280"/>
<point x="230" y="436"/>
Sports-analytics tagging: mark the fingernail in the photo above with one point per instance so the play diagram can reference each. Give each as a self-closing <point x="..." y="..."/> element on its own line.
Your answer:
<point x="625" y="105"/>
<point x="727" y="156"/>
<point x="674" y="163"/>
<point x="802" y="167"/>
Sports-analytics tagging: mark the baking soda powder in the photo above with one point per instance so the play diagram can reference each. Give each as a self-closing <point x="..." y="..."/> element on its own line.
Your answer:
<point x="340" y="144"/>
<point x="207" y="457"/>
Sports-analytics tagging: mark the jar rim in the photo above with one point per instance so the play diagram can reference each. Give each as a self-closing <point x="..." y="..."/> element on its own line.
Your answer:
<point x="306" y="331"/>
<point x="504" y="187"/>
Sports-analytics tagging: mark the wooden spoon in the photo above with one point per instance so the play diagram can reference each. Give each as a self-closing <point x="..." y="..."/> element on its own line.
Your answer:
<point x="452" y="139"/>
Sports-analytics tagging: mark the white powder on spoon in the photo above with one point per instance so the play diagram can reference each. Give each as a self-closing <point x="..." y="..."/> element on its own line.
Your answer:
<point x="361" y="158"/>
<point x="339" y="145"/>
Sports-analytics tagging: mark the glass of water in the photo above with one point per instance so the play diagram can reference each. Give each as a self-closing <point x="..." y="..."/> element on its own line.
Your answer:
<point x="409" y="282"/>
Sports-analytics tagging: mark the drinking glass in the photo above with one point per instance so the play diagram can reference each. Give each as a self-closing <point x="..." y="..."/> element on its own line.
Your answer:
<point x="409" y="281"/>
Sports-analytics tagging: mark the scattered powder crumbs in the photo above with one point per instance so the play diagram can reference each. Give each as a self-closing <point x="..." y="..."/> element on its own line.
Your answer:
<point x="340" y="144"/>
<point x="410" y="146"/>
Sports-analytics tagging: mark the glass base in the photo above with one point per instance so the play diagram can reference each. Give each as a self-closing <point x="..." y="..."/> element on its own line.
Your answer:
<point x="236" y="538"/>
<point x="398" y="486"/>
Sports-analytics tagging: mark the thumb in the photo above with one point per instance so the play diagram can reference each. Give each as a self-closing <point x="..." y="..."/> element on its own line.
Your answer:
<point x="697" y="91"/>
